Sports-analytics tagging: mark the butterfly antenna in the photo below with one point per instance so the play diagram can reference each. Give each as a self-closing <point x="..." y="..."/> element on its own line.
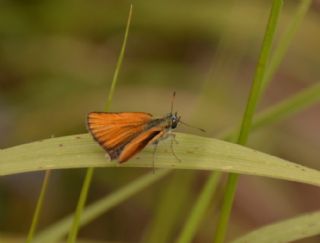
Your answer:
<point x="202" y="130"/>
<point x="172" y="101"/>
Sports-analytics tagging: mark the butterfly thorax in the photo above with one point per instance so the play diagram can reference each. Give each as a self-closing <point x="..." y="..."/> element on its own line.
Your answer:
<point x="168" y="122"/>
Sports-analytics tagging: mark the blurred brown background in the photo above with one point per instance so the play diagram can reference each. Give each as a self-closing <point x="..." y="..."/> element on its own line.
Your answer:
<point x="56" y="64"/>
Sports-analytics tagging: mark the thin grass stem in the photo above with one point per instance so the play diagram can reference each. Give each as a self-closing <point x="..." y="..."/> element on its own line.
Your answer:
<point x="248" y="116"/>
<point x="90" y="171"/>
<point x="199" y="209"/>
<point x="36" y="215"/>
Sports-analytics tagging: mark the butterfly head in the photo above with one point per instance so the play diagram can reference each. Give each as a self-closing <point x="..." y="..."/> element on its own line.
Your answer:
<point x="174" y="119"/>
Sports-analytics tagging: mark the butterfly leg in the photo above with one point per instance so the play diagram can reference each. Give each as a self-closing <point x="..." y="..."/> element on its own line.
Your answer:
<point x="173" y="139"/>
<point x="155" y="144"/>
<point x="165" y="135"/>
<point x="161" y="136"/>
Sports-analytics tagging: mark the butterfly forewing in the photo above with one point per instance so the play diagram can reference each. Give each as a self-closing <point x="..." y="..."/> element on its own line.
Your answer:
<point x="115" y="130"/>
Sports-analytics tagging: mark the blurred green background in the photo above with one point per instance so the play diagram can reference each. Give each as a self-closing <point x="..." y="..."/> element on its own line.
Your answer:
<point x="57" y="60"/>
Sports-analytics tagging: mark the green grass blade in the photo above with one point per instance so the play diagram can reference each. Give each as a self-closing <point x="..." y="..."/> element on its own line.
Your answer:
<point x="248" y="116"/>
<point x="286" y="108"/>
<point x="289" y="107"/>
<point x="58" y="230"/>
<point x="260" y="71"/>
<point x="199" y="209"/>
<point x="163" y="224"/>
<point x="90" y="171"/>
<point x="80" y="205"/>
<point x="284" y="42"/>
<point x="196" y="153"/>
<point x="289" y="230"/>
<point x="120" y="61"/>
<point x="35" y="218"/>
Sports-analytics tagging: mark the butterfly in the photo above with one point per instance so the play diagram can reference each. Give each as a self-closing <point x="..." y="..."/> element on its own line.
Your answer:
<point x="124" y="134"/>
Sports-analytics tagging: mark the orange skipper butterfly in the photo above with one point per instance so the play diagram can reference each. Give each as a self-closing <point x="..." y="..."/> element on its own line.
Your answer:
<point x="124" y="134"/>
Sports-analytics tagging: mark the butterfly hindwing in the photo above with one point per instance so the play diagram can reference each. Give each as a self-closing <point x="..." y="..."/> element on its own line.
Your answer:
<point x="139" y="142"/>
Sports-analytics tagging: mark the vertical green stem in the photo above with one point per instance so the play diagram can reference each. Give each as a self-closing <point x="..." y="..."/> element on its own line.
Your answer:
<point x="90" y="171"/>
<point x="163" y="224"/>
<point x="119" y="62"/>
<point x="199" y="209"/>
<point x="248" y="115"/>
<point x="81" y="202"/>
<point x="284" y="42"/>
<point x="39" y="205"/>
<point x="260" y="72"/>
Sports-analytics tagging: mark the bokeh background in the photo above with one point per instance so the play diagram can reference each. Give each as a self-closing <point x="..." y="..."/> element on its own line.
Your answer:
<point x="57" y="60"/>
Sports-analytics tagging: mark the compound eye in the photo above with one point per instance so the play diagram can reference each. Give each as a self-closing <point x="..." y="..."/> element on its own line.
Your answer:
<point x="174" y="122"/>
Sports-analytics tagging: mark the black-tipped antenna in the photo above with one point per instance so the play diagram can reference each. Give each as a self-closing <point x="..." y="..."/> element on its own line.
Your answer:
<point x="183" y="123"/>
<point x="172" y="101"/>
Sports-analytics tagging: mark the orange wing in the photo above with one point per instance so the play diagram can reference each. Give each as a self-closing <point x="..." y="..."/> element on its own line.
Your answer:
<point x="113" y="131"/>
<point x="138" y="143"/>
